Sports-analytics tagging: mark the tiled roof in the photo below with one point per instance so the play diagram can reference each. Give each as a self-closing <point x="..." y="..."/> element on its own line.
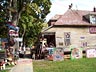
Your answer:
<point x="56" y="17"/>
<point x="74" y="17"/>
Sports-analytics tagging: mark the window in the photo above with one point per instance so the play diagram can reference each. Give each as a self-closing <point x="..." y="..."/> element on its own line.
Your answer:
<point x="93" y="19"/>
<point x="67" y="38"/>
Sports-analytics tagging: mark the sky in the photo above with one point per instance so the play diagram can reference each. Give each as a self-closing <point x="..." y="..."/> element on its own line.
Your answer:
<point x="61" y="6"/>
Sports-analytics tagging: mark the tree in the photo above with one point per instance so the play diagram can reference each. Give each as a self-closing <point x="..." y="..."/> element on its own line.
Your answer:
<point x="32" y="19"/>
<point x="29" y="15"/>
<point x="3" y="18"/>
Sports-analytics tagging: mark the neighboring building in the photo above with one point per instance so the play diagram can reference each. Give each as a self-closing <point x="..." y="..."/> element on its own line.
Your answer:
<point x="74" y="27"/>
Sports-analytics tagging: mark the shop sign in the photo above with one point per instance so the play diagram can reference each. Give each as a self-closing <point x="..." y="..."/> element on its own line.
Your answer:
<point x="92" y="30"/>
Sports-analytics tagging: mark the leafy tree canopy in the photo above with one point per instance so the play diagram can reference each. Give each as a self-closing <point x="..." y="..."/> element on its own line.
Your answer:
<point x="32" y="19"/>
<point x="29" y="15"/>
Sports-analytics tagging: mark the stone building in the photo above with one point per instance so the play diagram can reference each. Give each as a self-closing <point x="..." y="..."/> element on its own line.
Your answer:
<point x="74" y="27"/>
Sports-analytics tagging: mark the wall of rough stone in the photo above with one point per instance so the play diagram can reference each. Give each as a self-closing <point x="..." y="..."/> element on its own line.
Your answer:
<point x="79" y="36"/>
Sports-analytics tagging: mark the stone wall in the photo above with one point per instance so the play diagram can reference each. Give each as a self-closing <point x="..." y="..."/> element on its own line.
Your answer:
<point x="79" y="36"/>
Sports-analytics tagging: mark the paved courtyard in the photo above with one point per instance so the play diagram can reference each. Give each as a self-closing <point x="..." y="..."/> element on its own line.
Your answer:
<point x="23" y="65"/>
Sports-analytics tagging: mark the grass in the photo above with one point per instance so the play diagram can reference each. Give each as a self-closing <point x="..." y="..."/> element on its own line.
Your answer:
<point x="8" y="68"/>
<point x="80" y="65"/>
<point x="4" y="71"/>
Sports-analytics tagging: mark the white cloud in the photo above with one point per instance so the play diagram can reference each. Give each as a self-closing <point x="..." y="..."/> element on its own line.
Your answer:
<point x="60" y="6"/>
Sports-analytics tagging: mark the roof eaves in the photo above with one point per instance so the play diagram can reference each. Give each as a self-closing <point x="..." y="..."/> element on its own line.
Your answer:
<point x="77" y="25"/>
<point x="47" y="28"/>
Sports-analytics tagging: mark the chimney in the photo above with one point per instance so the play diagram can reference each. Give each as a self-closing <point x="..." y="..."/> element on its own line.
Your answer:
<point x="94" y="9"/>
<point x="70" y="6"/>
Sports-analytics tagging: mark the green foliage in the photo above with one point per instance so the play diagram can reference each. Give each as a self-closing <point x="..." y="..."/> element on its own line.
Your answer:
<point x="8" y="68"/>
<point x="3" y="31"/>
<point x="32" y="29"/>
<point x="32" y="19"/>
<point x="42" y="7"/>
<point x="29" y="14"/>
<point x="4" y="70"/>
<point x="3" y="15"/>
<point x="3" y="18"/>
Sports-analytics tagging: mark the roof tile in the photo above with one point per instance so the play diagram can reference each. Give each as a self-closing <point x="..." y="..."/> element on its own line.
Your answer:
<point x="74" y="17"/>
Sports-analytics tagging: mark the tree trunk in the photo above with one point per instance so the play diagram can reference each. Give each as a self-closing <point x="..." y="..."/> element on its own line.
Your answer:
<point x="13" y="18"/>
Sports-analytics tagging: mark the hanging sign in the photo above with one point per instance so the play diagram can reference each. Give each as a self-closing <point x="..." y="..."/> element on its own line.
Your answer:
<point x="92" y="30"/>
